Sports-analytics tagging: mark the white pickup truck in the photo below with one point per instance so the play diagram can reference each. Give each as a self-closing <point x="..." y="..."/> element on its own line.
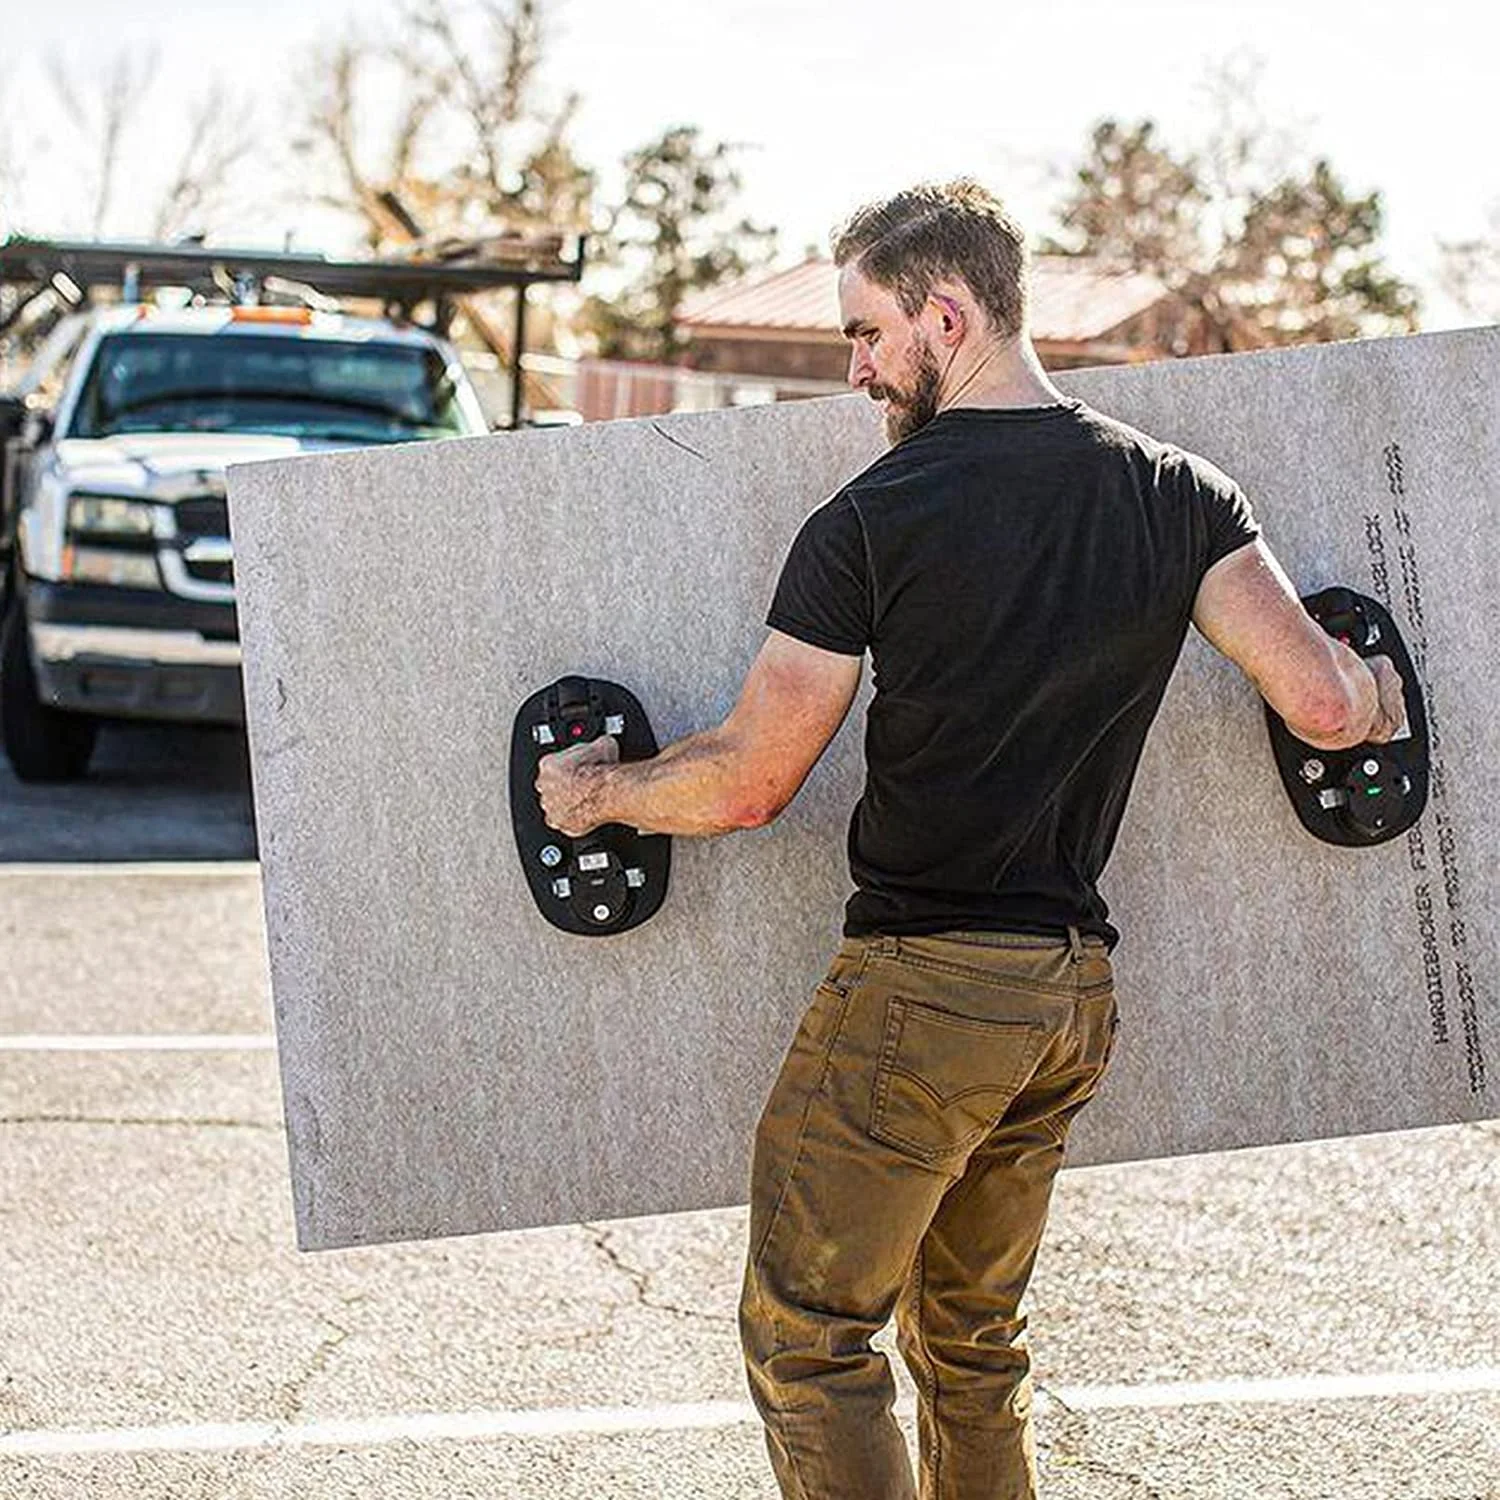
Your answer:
<point x="119" y="578"/>
<point x="122" y="601"/>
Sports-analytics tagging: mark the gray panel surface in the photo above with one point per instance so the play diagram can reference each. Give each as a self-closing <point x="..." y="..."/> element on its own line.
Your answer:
<point x="452" y="1064"/>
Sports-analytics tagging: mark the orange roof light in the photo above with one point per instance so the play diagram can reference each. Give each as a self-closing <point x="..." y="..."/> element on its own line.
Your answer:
<point x="299" y="315"/>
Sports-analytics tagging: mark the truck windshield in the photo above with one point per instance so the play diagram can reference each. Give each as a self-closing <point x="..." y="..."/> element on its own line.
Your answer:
<point x="243" y="382"/>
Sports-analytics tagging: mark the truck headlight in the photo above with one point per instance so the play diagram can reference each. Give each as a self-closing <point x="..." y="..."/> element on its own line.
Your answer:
<point x="110" y="540"/>
<point x="111" y="519"/>
<point x="119" y="568"/>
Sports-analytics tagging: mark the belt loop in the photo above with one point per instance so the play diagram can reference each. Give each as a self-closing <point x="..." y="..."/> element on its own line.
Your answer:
<point x="1075" y="945"/>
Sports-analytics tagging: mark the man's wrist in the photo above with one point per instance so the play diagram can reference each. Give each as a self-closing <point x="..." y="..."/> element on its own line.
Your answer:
<point x="598" y="795"/>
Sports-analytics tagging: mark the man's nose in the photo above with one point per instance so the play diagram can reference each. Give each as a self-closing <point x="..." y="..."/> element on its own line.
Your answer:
<point x="861" y="371"/>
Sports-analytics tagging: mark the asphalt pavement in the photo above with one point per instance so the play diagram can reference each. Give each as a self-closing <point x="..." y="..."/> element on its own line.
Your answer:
<point x="153" y="792"/>
<point x="1311" y="1321"/>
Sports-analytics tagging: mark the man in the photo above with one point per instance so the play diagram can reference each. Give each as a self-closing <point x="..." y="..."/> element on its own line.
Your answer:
<point x="1023" y="571"/>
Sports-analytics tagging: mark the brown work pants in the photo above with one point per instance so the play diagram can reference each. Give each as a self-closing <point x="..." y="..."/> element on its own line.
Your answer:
<point x="904" y="1162"/>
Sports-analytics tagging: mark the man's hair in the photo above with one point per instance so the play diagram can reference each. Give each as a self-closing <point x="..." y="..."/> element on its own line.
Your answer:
<point x="941" y="231"/>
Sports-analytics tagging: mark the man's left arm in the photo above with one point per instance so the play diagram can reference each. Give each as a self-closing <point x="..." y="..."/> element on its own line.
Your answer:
<point x="739" y="775"/>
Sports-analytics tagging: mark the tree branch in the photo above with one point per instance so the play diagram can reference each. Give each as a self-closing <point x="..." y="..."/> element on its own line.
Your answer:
<point x="221" y="134"/>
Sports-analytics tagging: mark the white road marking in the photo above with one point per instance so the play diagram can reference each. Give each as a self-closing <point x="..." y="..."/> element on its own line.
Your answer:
<point x="102" y="1041"/>
<point x="1281" y="1389"/>
<point x="376" y="1431"/>
<point x="470" y="1426"/>
<point x="132" y="869"/>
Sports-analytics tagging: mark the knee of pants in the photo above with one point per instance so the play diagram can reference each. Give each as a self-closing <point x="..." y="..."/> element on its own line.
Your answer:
<point x="789" y="1344"/>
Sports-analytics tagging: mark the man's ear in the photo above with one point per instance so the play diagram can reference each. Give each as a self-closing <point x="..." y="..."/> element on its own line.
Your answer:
<point x="952" y="321"/>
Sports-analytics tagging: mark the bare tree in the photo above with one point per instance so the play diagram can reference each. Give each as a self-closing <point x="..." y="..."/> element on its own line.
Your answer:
<point x="331" y="128"/>
<point x="491" y="94"/>
<point x="221" y="133"/>
<point x="103" y="116"/>
<point x="470" y="147"/>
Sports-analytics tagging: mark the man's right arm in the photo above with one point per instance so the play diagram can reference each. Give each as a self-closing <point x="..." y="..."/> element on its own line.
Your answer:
<point x="1329" y="696"/>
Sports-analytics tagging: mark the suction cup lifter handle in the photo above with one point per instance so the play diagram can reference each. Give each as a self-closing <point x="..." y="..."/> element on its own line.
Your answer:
<point x="1368" y="794"/>
<point x="614" y="878"/>
<point x="574" y="714"/>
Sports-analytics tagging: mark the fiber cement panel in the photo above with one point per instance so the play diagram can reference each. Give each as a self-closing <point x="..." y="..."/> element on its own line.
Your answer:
<point x="453" y="1064"/>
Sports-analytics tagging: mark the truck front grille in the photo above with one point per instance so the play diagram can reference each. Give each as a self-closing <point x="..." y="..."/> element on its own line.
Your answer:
<point x="210" y="572"/>
<point x="204" y="516"/>
<point x="207" y="515"/>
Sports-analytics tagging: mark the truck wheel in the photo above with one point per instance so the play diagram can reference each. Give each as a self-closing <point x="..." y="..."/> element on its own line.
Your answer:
<point x="41" y="743"/>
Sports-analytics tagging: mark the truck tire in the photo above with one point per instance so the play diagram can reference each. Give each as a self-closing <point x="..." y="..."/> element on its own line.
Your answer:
<point x="41" y="743"/>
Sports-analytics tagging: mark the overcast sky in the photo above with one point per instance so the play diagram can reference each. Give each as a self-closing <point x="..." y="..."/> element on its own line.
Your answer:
<point x="837" y="101"/>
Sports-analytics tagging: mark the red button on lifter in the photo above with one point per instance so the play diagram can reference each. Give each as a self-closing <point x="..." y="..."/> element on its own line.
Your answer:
<point x="576" y="730"/>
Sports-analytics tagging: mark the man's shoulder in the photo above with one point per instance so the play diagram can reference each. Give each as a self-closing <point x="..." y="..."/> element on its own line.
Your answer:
<point x="838" y="508"/>
<point x="1114" y="432"/>
<point x="1169" y="459"/>
<point x="833" y="522"/>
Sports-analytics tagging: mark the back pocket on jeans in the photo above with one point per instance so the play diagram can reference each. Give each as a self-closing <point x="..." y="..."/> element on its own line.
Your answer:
<point x="944" y="1081"/>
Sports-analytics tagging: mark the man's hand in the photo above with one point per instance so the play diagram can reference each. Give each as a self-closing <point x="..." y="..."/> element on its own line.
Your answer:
<point x="566" y="784"/>
<point x="1391" y="714"/>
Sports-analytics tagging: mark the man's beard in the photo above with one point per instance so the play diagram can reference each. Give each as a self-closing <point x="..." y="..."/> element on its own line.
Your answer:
<point x="908" y="410"/>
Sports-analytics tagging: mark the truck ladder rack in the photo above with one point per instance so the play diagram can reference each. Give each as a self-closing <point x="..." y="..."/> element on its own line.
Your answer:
<point x="507" y="261"/>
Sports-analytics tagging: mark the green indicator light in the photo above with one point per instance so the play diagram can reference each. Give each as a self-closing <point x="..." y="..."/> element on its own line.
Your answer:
<point x="1372" y="791"/>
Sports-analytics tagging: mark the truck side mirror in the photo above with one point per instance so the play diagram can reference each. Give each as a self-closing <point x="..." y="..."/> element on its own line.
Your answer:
<point x="36" y="429"/>
<point x="12" y="417"/>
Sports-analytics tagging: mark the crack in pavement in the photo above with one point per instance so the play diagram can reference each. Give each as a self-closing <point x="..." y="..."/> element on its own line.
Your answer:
<point x="294" y="1393"/>
<point x="207" y="1120"/>
<point x="641" y="1281"/>
<point x="1147" y="1490"/>
<point x="1054" y="1398"/>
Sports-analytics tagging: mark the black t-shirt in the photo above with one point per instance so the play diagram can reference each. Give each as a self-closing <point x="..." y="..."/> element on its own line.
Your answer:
<point x="1023" y="579"/>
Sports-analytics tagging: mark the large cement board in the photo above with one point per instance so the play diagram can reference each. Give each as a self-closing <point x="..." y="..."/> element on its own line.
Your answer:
<point x="451" y="1063"/>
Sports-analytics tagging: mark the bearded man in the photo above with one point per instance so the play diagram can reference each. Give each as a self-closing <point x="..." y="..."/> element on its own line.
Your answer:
<point x="1022" y="571"/>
